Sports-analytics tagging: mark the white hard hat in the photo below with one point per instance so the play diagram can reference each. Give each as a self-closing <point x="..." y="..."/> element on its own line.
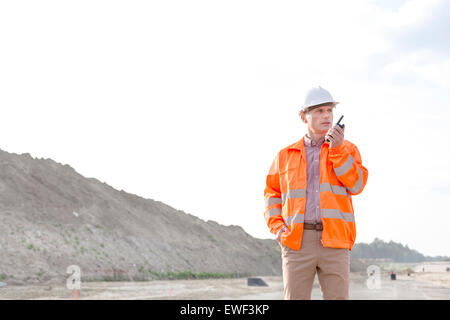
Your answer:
<point x="316" y="96"/>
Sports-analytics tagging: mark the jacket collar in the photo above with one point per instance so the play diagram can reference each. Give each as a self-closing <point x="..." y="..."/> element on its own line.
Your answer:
<point x="300" y="145"/>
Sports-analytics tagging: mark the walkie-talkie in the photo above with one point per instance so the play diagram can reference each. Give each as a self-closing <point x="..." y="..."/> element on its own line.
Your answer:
<point x="339" y="124"/>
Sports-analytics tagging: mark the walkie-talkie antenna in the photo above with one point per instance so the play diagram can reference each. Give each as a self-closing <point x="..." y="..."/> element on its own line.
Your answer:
<point x="338" y="123"/>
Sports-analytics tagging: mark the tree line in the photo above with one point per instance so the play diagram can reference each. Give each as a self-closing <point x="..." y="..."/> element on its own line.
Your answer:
<point x="392" y="251"/>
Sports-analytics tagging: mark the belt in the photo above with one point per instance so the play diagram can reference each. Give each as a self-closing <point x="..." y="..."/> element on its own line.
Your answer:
<point x="313" y="226"/>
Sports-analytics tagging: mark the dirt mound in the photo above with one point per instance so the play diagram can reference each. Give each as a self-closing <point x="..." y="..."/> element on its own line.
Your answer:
<point x="52" y="217"/>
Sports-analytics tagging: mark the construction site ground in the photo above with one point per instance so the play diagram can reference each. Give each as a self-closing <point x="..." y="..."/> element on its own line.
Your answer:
<point x="418" y="285"/>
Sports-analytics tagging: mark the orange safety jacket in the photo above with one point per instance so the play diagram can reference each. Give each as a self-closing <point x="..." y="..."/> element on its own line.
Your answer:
<point x="341" y="176"/>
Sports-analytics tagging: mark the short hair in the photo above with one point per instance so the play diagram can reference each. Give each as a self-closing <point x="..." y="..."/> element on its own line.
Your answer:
<point x="330" y="104"/>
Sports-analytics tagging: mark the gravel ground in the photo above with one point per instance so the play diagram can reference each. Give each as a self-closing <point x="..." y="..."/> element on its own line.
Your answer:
<point x="417" y="286"/>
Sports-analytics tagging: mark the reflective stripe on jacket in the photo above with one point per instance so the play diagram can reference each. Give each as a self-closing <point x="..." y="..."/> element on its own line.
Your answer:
<point x="341" y="176"/>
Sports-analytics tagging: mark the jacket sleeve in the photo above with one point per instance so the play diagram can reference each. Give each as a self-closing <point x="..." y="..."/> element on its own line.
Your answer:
<point x="348" y="167"/>
<point x="272" y="199"/>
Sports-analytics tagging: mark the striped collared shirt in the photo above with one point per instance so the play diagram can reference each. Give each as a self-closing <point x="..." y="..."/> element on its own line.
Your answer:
<point x="312" y="210"/>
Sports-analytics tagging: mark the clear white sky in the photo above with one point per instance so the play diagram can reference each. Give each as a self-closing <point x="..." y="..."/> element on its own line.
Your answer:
<point x="188" y="102"/>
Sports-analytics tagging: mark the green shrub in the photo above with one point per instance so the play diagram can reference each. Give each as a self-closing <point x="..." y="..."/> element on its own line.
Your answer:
<point x="180" y="275"/>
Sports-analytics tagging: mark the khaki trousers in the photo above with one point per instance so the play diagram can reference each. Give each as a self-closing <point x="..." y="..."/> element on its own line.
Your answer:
<point x="299" y="269"/>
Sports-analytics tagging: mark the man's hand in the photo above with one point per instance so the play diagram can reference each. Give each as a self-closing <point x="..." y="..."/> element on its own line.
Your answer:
<point x="283" y="229"/>
<point x="336" y="136"/>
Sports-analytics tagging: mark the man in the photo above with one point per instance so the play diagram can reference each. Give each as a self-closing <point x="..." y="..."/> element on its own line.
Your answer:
<point x="308" y="197"/>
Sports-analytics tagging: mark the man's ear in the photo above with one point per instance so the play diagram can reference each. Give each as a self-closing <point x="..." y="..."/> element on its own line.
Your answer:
<point x="302" y="116"/>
